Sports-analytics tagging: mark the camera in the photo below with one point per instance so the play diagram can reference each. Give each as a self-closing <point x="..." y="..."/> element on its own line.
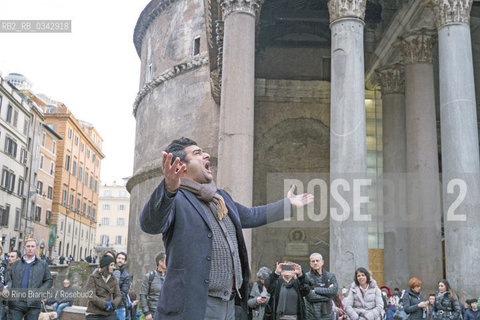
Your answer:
<point x="287" y="267"/>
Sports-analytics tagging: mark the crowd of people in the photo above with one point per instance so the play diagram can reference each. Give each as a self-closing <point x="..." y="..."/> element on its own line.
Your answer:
<point x="112" y="296"/>
<point x="288" y="293"/>
<point x="204" y="272"/>
<point x="210" y="280"/>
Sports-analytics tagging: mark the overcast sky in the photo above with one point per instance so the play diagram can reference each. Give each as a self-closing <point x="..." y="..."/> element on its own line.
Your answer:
<point x="94" y="69"/>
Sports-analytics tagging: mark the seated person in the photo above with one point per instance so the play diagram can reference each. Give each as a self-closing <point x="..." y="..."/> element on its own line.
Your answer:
<point x="63" y="298"/>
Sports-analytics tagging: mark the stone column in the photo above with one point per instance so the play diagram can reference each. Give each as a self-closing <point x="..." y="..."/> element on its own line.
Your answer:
<point x="423" y="189"/>
<point x="348" y="234"/>
<point x="460" y="151"/>
<point x="235" y="146"/>
<point x="392" y="81"/>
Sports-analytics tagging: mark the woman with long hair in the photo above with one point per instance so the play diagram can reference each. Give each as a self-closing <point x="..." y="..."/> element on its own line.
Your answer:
<point x="109" y="253"/>
<point x="412" y="300"/>
<point x="105" y="292"/>
<point x="446" y="306"/>
<point x="364" y="300"/>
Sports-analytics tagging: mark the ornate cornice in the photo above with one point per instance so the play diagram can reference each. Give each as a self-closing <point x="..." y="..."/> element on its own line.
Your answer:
<point x="151" y="11"/>
<point x="417" y="46"/>
<point x="216" y="74"/>
<point x="215" y="86"/>
<point x="251" y="7"/>
<point x="168" y="75"/>
<point x="451" y="12"/>
<point x="391" y="78"/>
<point x="219" y="30"/>
<point x="346" y="8"/>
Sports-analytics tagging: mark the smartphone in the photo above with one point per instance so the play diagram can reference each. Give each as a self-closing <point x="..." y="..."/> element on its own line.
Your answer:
<point x="288" y="267"/>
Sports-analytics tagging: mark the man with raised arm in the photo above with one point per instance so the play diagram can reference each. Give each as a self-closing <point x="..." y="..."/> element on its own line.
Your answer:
<point x="201" y="226"/>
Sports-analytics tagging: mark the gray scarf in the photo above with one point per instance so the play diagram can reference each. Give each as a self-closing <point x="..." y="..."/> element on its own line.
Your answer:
<point x="282" y="297"/>
<point x="206" y="192"/>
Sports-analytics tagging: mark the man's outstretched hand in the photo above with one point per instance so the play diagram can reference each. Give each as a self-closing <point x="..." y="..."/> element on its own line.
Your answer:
<point x="299" y="200"/>
<point x="172" y="171"/>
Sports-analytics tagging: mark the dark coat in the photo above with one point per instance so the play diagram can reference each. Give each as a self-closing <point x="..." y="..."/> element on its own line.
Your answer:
<point x="3" y="273"/>
<point x="274" y="284"/>
<point x="102" y="292"/>
<point x="446" y="308"/>
<point x="188" y="239"/>
<point x="39" y="278"/>
<point x="472" y="315"/>
<point x="410" y="301"/>
<point x="319" y="303"/>
<point x="124" y="279"/>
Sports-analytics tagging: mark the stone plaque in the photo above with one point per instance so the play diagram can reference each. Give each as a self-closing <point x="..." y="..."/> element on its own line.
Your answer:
<point x="296" y="249"/>
<point x="296" y="245"/>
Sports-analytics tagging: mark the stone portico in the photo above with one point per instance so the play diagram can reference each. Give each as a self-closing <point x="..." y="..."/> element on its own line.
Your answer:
<point x="319" y="92"/>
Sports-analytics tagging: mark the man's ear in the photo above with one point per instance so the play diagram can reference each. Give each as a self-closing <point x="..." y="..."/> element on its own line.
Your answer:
<point x="179" y="165"/>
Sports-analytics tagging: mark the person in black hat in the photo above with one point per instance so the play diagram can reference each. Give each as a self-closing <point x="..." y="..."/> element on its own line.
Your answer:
<point x="106" y="292"/>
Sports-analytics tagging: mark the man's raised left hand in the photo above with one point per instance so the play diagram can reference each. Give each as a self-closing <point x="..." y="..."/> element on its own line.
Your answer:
<point x="299" y="200"/>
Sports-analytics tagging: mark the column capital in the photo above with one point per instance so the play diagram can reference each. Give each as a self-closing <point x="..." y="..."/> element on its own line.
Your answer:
<point x="417" y="46"/>
<point x="451" y="12"/>
<point x="391" y="78"/>
<point x="346" y="8"/>
<point x="251" y="7"/>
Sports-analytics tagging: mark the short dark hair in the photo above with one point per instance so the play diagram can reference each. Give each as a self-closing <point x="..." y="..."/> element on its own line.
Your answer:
<point x="177" y="148"/>
<point x="17" y="252"/>
<point x="431" y="295"/>
<point x="396" y="289"/>
<point x="123" y="254"/>
<point x="365" y="272"/>
<point x="160" y="256"/>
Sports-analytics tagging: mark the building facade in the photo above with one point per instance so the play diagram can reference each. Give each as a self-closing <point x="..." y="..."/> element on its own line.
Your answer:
<point x="348" y="99"/>
<point x="76" y="186"/>
<point x="43" y="230"/>
<point x="113" y="216"/>
<point x="40" y="168"/>
<point x="15" y="117"/>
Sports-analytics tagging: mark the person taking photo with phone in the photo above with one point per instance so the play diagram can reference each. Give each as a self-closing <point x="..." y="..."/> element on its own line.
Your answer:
<point x="287" y="287"/>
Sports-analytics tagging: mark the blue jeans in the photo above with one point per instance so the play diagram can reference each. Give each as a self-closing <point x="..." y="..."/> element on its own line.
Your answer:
<point x="59" y="307"/>
<point x="120" y="313"/>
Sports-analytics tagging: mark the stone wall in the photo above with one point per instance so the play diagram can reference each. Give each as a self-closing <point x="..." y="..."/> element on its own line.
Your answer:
<point x="292" y="140"/>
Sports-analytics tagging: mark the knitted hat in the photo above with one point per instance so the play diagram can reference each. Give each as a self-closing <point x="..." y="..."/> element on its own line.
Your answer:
<point x="106" y="260"/>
